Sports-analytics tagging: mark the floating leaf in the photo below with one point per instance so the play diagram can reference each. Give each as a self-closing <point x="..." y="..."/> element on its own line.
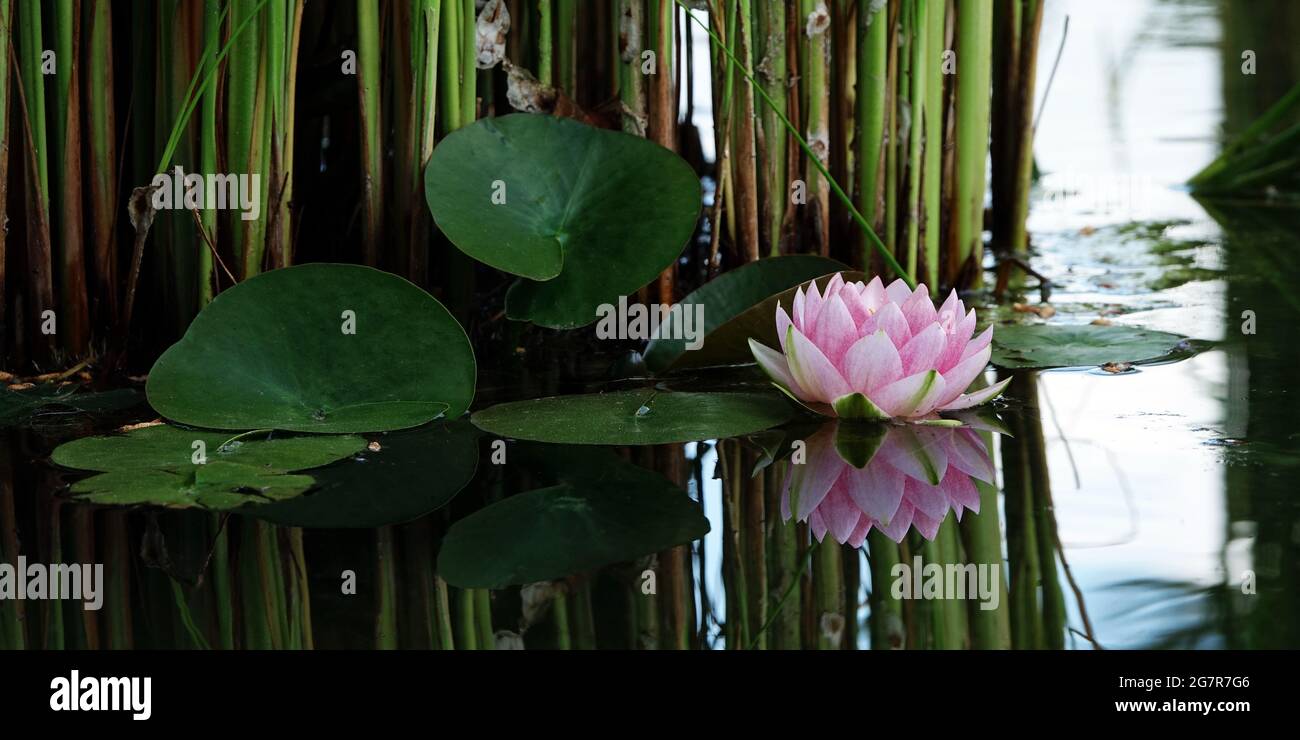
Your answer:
<point x="1079" y="345"/>
<point x="317" y="348"/>
<point x="17" y="407"/>
<point x="218" y="486"/>
<point x="165" y="447"/>
<point x="594" y="214"/>
<point x="605" y="511"/>
<point x="729" y="343"/>
<point x="732" y="293"/>
<point x="412" y="473"/>
<point x="635" y="417"/>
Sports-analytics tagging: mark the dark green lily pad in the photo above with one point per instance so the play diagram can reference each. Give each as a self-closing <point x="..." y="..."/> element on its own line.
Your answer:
<point x="165" y="447"/>
<point x="609" y="511"/>
<point x="729" y="343"/>
<point x="17" y="407"/>
<point x="272" y="353"/>
<point x="589" y="214"/>
<point x="1080" y="345"/>
<point x="732" y="293"/>
<point x="636" y="417"/>
<point x="413" y="472"/>
<point x="217" y="486"/>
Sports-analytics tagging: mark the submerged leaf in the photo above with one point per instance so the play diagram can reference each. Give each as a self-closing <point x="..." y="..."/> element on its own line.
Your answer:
<point x="602" y="511"/>
<point x="218" y="486"/>
<point x="412" y="473"/>
<point x="17" y="407"/>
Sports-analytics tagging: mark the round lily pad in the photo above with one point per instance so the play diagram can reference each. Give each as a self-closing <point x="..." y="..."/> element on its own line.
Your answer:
<point x="165" y="447"/>
<point x="319" y="348"/>
<point x="583" y="215"/>
<point x="636" y="417"/>
<point x="1080" y="345"/>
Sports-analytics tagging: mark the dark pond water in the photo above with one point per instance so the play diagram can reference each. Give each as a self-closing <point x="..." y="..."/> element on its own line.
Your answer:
<point x="1151" y="508"/>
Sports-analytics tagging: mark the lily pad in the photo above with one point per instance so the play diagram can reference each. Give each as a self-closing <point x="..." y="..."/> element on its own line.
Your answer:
<point x="583" y="215"/>
<point x="165" y="447"/>
<point x="729" y="343"/>
<point x="318" y="348"/>
<point x="612" y="512"/>
<point x="1068" y="345"/>
<point x="636" y="417"/>
<point x="413" y="472"/>
<point x="17" y="407"/>
<point x="218" y="486"/>
<point x="732" y="293"/>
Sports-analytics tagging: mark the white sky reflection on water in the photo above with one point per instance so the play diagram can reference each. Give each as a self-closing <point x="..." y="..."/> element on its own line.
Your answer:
<point x="1133" y="114"/>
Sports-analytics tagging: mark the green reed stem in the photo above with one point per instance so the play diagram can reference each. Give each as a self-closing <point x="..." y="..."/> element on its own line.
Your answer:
<point x="545" y="54"/>
<point x="369" y="65"/>
<point x="932" y="105"/>
<point x="790" y="589"/>
<point x="803" y="144"/>
<point x="974" y="44"/>
<point x="386" y="590"/>
<point x="917" y="77"/>
<point x="212" y="19"/>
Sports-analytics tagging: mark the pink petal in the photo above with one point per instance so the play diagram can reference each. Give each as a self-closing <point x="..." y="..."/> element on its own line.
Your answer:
<point x="812" y="305"/>
<point x="978" y="343"/>
<point x="913" y="395"/>
<point x="774" y="364"/>
<point x="923" y="349"/>
<point x="965" y="401"/>
<point x="950" y="305"/>
<point x="928" y="527"/>
<point x="919" y="310"/>
<point x="958" y="338"/>
<point x="890" y="320"/>
<point x="856" y="305"/>
<point x="812" y="371"/>
<point x="860" y="534"/>
<point x="833" y="286"/>
<point x="817" y="525"/>
<point x="929" y="500"/>
<point x="916" y="454"/>
<point x="961" y="491"/>
<point x="874" y="294"/>
<point x="877" y="489"/>
<point x="897" y="528"/>
<point x="835" y="330"/>
<point x="898" y="291"/>
<point x="967" y="453"/>
<point x="959" y="378"/>
<point x="812" y="479"/>
<point x="839" y="513"/>
<point x="782" y="321"/>
<point x="872" y="362"/>
<point x="797" y="316"/>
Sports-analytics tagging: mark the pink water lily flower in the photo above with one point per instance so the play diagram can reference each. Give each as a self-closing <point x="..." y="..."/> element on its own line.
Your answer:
<point x="913" y="478"/>
<point x="865" y="351"/>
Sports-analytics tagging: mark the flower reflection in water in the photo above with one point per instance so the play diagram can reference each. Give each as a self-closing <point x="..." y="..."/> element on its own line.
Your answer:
<point x="859" y="476"/>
